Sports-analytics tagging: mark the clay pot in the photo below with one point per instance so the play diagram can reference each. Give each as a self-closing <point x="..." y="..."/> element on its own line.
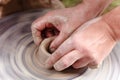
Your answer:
<point x="43" y="51"/>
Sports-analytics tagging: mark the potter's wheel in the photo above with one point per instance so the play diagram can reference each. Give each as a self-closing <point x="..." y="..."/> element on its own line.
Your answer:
<point x="19" y="59"/>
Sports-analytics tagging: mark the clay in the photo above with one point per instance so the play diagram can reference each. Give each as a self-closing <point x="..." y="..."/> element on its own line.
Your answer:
<point x="21" y="59"/>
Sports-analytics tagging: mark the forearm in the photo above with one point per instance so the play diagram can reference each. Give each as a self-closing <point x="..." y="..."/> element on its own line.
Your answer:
<point x="98" y="6"/>
<point x="113" y="20"/>
<point x="94" y="8"/>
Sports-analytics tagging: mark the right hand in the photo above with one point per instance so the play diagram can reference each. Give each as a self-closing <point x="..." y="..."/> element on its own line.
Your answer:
<point x="88" y="46"/>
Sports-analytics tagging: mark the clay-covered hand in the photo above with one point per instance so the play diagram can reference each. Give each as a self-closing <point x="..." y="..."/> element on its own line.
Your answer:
<point x="89" y="45"/>
<point x="64" y="20"/>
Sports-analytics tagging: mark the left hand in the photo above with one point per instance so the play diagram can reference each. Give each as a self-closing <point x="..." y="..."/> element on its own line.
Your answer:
<point x="88" y="46"/>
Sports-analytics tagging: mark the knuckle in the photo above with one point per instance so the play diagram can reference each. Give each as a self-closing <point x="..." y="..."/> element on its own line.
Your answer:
<point x="51" y="61"/>
<point x="65" y="63"/>
<point x="91" y="56"/>
<point x="66" y="32"/>
<point x="71" y="58"/>
<point x="58" y="52"/>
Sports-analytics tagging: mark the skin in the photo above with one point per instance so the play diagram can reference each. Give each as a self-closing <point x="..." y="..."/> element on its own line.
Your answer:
<point x="65" y="19"/>
<point x="91" y="43"/>
<point x="95" y="38"/>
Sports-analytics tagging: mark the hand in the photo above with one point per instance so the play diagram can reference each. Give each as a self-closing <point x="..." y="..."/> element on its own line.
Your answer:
<point x="64" y="21"/>
<point x="88" y="46"/>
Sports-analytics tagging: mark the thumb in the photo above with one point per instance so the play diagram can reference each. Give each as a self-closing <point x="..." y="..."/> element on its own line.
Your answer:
<point x="36" y="28"/>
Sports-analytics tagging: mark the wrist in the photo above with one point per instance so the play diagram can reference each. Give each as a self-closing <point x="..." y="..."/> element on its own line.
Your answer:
<point x="91" y="8"/>
<point x="84" y="12"/>
<point x="87" y="10"/>
<point x="112" y="19"/>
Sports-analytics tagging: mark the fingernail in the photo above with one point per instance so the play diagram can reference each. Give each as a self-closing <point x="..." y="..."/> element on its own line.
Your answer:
<point x="52" y="49"/>
<point x="58" y="67"/>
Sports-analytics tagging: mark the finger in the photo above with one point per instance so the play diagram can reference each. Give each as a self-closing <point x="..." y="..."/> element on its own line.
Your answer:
<point x="64" y="48"/>
<point x="37" y="27"/>
<point x="59" y="40"/>
<point x="81" y="63"/>
<point x="38" y="23"/>
<point x="67" y="60"/>
<point x="36" y="35"/>
<point x="94" y="64"/>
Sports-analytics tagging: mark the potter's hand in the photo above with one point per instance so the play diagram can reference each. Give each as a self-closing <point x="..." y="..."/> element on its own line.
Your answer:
<point x="88" y="46"/>
<point x="65" y="21"/>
